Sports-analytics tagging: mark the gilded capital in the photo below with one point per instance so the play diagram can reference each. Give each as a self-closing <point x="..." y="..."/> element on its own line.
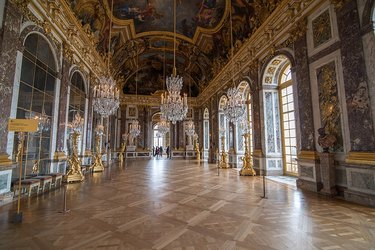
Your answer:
<point x="67" y="53"/>
<point x="338" y="3"/>
<point x="298" y="30"/>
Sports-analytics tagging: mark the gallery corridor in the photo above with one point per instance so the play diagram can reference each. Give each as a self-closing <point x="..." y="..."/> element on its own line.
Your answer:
<point x="177" y="204"/>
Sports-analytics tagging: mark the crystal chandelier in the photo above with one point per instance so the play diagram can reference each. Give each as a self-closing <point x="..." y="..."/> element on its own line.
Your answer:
<point x="135" y="128"/>
<point x="106" y="99"/>
<point x="234" y="108"/>
<point x="173" y="105"/>
<point x="163" y="125"/>
<point x="106" y="95"/>
<point x="189" y="128"/>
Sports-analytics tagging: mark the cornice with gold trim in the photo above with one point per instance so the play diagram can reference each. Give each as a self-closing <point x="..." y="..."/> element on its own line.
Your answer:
<point x="308" y="155"/>
<point x="153" y="100"/>
<point x="367" y="158"/>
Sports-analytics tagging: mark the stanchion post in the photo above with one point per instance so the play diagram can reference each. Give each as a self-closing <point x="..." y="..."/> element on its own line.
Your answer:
<point x="264" y="186"/>
<point x="64" y="210"/>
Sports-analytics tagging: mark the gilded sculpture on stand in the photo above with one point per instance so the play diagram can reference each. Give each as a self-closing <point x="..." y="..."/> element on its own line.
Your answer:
<point x="223" y="163"/>
<point x="247" y="169"/>
<point x="123" y="148"/>
<point x="75" y="173"/>
<point x="98" y="164"/>
<point x="196" y="145"/>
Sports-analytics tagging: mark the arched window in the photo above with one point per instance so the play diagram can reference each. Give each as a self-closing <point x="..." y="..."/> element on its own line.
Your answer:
<point x="36" y="97"/>
<point x="223" y="124"/>
<point x="279" y="116"/>
<point x="373" y="17"/>
<point x="77" y="101"/>
<point x="288" y="121"/>
<point x="249" y="117"/>
<point x="206" y="133"/>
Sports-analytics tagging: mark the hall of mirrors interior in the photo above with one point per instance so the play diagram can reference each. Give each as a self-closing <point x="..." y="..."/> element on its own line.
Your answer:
<point x="273" y="88"/>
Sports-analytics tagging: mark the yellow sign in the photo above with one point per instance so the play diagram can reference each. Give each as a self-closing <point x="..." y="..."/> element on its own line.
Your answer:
<point x="23" y="125"/>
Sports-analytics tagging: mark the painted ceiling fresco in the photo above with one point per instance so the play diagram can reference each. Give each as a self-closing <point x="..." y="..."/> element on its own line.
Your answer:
<point x="142" y="33"/>
<point x="157" y="15"/>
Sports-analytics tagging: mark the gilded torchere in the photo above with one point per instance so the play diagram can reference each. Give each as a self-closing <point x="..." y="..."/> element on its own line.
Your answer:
<point x="98" y="164"/>
<point x="75" y="173"/>
<point x="223" y="155"/>
<point x="197" y="152"/>
<point x="247" y="169"/>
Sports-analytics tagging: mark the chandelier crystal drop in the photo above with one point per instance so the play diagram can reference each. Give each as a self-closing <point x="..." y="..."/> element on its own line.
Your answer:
<point x="135" y="128"/>
<point x="234" y="108"/>
<point x="189" y="128"/>
<point x="106" y="98"/>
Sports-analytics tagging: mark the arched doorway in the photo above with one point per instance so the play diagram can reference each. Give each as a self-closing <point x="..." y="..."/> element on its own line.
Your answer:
<point x="280" y="142"/>
<point x="159" y="139"/>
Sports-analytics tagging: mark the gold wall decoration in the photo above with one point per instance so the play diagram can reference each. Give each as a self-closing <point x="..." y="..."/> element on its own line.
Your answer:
<point x="321" y="28"/>
<point x="298" y="30"/>
<point x="329" y="102"/>
<point x="339" y="3"/>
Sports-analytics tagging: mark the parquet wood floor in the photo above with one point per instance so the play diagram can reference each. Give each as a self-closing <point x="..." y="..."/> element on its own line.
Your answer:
<point x="176" y="204"/>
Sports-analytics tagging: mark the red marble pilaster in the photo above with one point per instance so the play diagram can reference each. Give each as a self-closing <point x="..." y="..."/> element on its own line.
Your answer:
<point x="11" y="43"/>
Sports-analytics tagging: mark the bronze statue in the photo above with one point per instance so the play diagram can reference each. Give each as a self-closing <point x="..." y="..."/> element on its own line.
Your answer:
<point x="326" y="141"/>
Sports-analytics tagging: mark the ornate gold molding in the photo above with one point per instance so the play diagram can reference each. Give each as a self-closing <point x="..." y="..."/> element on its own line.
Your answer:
<point x="4" y="161"/>
<point x="298" y="30"/>
<point x="339" y="3"/>
<point x="308" y="155"/>
<point x="265" y="40"/>
<point x="257" y="153"/>
<point x="367" y="158"/>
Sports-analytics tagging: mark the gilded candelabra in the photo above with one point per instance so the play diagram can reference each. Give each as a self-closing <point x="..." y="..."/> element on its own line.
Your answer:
<point x="223" y="155"/>
<point x="98" y="164"/>
<point x="197" y="152"/>
<point x="74" y="174"/>
<point x="247" y="169"/>
<point x="122" y="152"/>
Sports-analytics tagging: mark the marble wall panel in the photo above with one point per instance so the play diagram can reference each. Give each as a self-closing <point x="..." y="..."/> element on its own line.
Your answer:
<point x="306" y="172"/>
<point x="9" y="47"/>
<point x="362" y="180"/>
<point x="355" y="77"/>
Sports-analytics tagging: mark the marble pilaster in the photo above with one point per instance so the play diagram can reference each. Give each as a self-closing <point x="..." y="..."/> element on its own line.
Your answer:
<point x="9" y="47"/>
<point x="328" y="175"/>
<point x="301" y="69"/>
<point x="61" y="137"/>
<point x="360" y="120"/>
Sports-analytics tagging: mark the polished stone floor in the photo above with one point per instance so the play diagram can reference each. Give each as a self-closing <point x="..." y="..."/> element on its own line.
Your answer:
<point x="176" y="204"/>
